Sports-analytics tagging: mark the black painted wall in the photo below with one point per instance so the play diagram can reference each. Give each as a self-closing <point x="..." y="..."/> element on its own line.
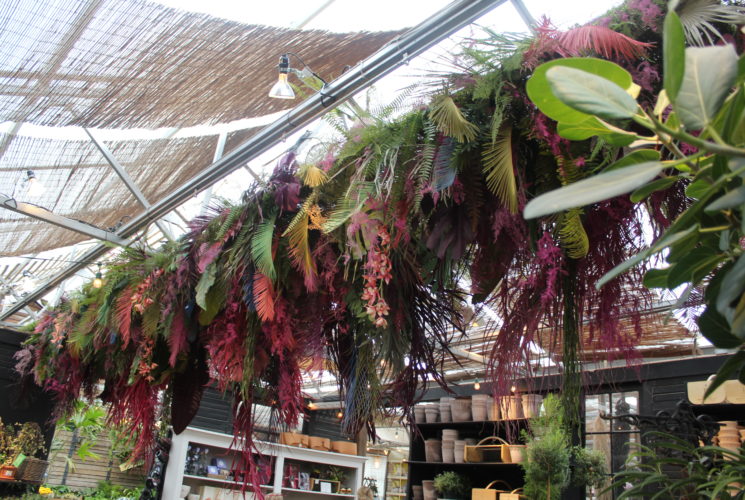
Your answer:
<point x="34" y="405"/>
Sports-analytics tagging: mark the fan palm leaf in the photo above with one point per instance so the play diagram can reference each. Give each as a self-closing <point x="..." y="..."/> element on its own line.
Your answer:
<point x="449" y="120"/>
<point x="498" y="167"/>
<point x="600" y="40"/>
<point x="698" y="16"/>
<point x="312" y="176"/>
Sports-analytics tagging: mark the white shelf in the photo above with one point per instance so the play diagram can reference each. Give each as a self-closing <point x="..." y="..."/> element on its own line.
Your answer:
<point x="223" y="481"/>
<point x="397" y="477"/>
<point x="295" y="490"/>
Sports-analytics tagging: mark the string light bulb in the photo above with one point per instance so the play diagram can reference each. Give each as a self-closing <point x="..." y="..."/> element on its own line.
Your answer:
<point x="35" y="187"/>
<point x="311" y="406"/>
<point x="477" y="385"/>
<point x="98" y="280"/>
<point x="339" y="414"/>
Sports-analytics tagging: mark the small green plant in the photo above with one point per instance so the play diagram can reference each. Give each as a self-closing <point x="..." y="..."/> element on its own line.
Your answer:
<point x="549" y="453"/>
<point x="450" y="484"/>
<point x="589" y="468"/>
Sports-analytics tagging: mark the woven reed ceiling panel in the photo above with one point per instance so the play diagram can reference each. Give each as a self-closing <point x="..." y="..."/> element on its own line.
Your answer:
<point x="129" y="63"/>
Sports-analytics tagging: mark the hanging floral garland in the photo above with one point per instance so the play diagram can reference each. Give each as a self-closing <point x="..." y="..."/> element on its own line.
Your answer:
<point x="364" y="260"/>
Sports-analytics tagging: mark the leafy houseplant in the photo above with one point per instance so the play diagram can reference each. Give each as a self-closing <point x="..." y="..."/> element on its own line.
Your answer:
<point x="549" y="453"/>
<point x="588" y="468"/>
<point x="695" y="138"/>
<point x="675" y="468"/>
<point x="450" y="484"/>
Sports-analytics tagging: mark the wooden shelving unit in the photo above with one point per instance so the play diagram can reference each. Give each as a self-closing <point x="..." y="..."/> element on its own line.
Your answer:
<point x="219" y="446"/>
<point x="396" y="479"/>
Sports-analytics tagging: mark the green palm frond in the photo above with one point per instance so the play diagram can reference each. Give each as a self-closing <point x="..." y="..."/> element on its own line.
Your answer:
<point x="449" y="120"/>
<point x="572" y="234"/>
<point x="698" y="16"/>
<point x="261" y="247"/>
<point x="346" y="206"/>
<point x="498" y="166"/>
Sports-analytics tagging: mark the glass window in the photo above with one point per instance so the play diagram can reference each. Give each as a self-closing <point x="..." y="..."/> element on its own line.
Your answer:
<point x="610" y="436"/>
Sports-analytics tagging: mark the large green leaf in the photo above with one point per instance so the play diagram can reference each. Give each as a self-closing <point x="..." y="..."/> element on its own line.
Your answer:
<point x="597" y="188"/>
<point x="673" y="54"/>
<point x="592" y="127"/>
<point x="732" y="365"/>
<point x="591" y="94"/>
<point x="731" y="290"/>
<point x="697" y="263"/>
<point x="206" y="280"/>
<point x="652" y="187"/>
<point x="709" y="75"/>
<point x="732" y="199"/>
<point x="638" y="156"/>
<point x="540" y="92"/>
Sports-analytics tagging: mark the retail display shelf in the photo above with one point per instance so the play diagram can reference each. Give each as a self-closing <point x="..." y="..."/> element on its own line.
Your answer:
<point x="223" y="481"/>
<point x="319" y="493"/>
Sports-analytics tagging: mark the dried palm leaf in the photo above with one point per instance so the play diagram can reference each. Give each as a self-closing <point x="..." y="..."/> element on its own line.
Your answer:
<point x="312" y="175"/>
<point x="600" y="40"/>
<point x="498" y="166"/>
<point x="450" y="121"/>
<point x="698" y="16"/>
<point x="263" y="297"/>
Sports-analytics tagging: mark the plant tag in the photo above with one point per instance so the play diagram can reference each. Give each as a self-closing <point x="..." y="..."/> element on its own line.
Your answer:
<point x="19" y="460"/>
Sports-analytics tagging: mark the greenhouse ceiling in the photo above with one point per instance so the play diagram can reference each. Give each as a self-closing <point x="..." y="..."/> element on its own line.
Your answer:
<point x="133" y="114"/>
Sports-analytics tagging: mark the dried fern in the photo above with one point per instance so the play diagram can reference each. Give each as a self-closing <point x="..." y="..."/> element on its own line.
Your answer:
<point x="498" y="169"/>
<point x="449" y="120"/>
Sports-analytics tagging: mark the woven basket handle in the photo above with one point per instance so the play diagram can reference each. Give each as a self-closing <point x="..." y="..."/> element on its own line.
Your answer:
<point x="490" y="439"/>
<point x="498" y="481"/>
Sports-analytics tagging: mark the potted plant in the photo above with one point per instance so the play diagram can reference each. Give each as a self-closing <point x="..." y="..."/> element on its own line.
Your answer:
<point x="9" y="451"/>
<point x="451" y="485"/>
<point x="588" y="468"/>
<point x="31" y="442"/>
<point x="547" y="446"/>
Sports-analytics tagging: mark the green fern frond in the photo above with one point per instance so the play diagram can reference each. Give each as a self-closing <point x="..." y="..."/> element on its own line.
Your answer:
<point x="572" y="235"/>
<point x="449" y="120"/>
<point x="498" y="166"/>
<point x="422" y="172"/>
<point x="261" y="247"/>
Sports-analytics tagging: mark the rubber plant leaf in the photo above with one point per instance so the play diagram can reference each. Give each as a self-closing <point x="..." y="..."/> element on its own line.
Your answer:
<point x="593" y="189"/>
<point x="590" y="94"/>
<point x="539" y="89"/>
<point x="709" y="75"/>
<point x="592" y="127"/>
<point x="673" y="55"/>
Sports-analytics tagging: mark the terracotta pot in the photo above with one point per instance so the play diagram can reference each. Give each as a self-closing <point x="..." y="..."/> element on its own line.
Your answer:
<point x="514" y="407"/>
<point x="451" y="434"/>
<point x="431" y="413"/>
<point x="417" y="492"/>
<point x="433" y="450"/>
<point x="517" y="453"/>
<point x="460" y="445"/>
<point x="428" y="490"/>
<point x="479" y="404"/>
<point x="493" y="411"/>
<point x="445" y="412"/>
<point x="531" y="405"/>
<point x="461" y="410"/>
<point x="448" y="447"/>
<point x="419" y="413"/>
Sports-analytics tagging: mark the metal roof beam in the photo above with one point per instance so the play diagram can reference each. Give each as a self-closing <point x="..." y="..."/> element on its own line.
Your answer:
<point x="45" y="215"/>
<point x="399" y="51"/>
<point x="127" y="180"/>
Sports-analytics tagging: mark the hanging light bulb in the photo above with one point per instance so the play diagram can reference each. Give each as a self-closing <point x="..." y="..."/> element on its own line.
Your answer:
<point x="311" y="406"/>
<point x="35" y="188"/>
<point x="339" y="414"/>
<point x="98" y="280"/>
<point x="477" y="385"/>
<point x="282" y="89"/>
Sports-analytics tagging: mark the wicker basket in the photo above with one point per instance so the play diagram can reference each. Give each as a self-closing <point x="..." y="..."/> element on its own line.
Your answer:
<point x="483" y="452"/>
<point x="32" y="470"/>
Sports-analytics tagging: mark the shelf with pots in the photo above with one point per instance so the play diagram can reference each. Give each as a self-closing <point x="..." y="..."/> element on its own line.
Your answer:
<point x="476" y="436"/>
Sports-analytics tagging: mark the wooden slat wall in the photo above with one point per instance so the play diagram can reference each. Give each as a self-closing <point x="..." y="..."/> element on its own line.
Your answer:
<point x="88" y="473"/>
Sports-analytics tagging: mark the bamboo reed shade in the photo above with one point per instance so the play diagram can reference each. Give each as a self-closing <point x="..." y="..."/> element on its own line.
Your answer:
<point x="133" y="63"/>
